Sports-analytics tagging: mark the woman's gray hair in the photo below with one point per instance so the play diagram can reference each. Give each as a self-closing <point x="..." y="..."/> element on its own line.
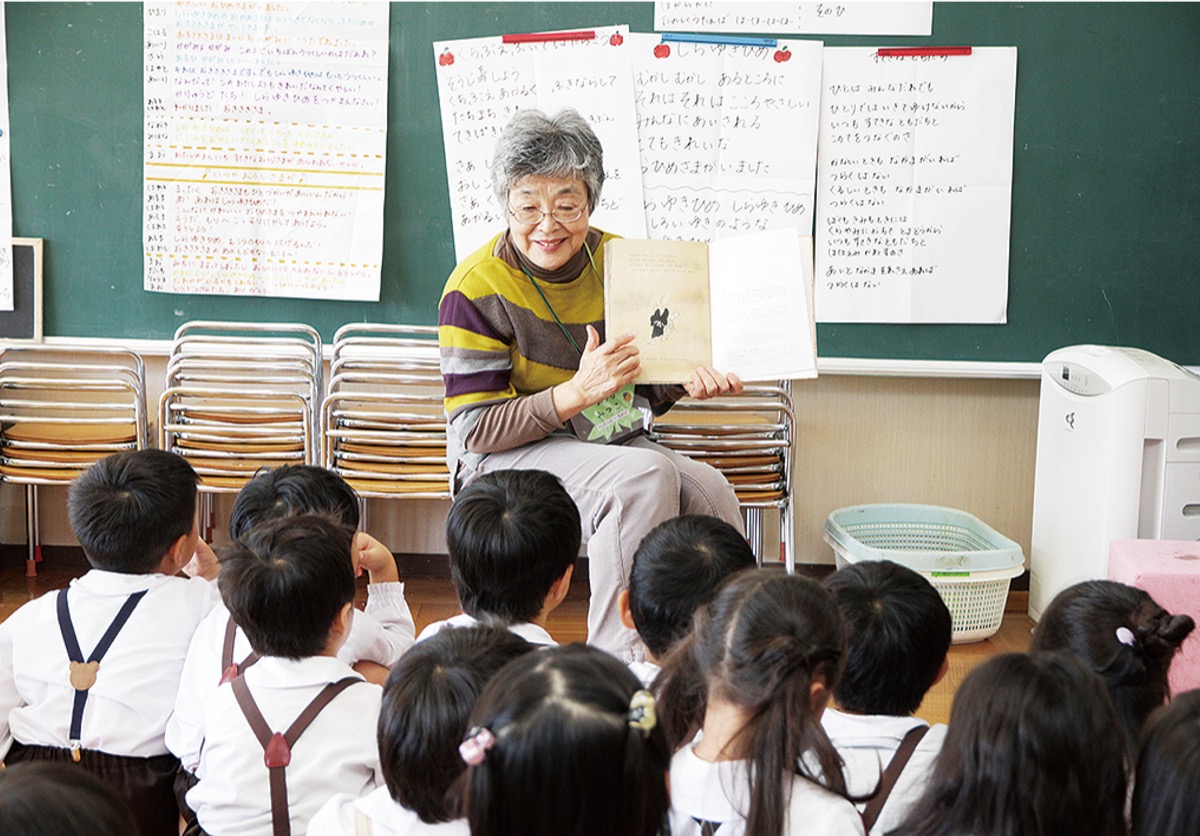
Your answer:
<point x="533" y="143"/>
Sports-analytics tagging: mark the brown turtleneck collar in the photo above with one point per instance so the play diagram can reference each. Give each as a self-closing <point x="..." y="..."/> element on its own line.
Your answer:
<point x="510" y="255"/>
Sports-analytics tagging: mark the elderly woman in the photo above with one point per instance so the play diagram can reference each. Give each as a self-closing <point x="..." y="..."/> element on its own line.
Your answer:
<point x="521" y="328"/>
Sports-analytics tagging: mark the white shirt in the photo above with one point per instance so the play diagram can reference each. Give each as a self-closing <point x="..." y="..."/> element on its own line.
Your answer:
<point x="381" y="633"/>
<point x="128" y="706"/>
<point x="529" y="631"/>
<point x="383" y="815"/>
<point x="645" y="671"/>
<point x="867" y="743"/>
<point x="720" y="792"/>
<point x="336" y="753"/>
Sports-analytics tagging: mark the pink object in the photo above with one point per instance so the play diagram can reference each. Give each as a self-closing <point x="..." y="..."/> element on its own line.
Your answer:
<point x="1170" y="571"/>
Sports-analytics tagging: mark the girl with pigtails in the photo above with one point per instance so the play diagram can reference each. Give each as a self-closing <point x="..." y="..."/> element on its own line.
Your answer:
<point x="1121" y="633"/>
<point x="741" y="699"/>
<point x="565" y="742"/>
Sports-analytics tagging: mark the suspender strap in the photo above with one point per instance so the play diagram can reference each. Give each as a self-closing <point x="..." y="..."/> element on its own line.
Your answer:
<point x="277" y="748"/>
<point x="229" y="670"/>
<point x="887" y="781"/>
<point x="75" y="654"/>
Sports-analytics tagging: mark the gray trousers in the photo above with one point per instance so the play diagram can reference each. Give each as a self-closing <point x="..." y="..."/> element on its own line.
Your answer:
<point x="622" y="492"/>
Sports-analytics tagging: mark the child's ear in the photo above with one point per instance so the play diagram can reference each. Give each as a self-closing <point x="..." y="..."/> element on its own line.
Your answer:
<point x="343" y="620"/>
<point x="180" y="552"/>
<point x="942" y="671"/>
<point x="559" y="589"/>
<point x="623" y="609"/>
<point x="818" y="693"/>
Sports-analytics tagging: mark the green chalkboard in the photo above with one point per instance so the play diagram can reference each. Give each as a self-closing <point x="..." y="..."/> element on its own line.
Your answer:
<point x="1106" y="174"/>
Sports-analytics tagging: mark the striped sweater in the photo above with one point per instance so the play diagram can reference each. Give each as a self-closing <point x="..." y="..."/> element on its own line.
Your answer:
<point x="500" y="342"/>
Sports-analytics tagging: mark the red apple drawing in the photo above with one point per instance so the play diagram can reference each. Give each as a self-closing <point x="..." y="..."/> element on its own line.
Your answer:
<point x="616" y="39"/>
<point x="447" y="58"/>
<point x="782" y="55"/>
<point x="662" y="51"/>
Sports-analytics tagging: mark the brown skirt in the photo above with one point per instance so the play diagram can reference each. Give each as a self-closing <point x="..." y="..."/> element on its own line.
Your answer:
<point x="146" y="785"/>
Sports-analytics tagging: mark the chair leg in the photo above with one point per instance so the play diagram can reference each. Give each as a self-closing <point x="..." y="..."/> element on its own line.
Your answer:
<point x="32" y="534"/>
<point x="787" y="537"/>
<point x="754" y="533"/>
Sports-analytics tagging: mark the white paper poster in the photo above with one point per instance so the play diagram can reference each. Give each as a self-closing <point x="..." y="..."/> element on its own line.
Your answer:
<point x="482" y="82"/>
<point x="728" y="136"/>
<point x="265" y="142"/>
<point x="915" y="186"/>
<point x="6" y="257"/>
<point x="850" y="17"/>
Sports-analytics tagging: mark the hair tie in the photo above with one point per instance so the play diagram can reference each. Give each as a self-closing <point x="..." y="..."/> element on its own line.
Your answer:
<point x="478" y="741"/>
<point x="642" y="714"/>
<point x="1125" y="636"/>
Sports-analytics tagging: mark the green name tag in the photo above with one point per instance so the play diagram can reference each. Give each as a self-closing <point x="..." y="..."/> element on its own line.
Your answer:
<point x="615" y="415"/>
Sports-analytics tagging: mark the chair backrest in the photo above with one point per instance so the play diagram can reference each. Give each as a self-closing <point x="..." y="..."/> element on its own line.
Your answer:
<point x="62" y="408"/>
<point x="383" y="424"/>
<point x="238" y="396"/>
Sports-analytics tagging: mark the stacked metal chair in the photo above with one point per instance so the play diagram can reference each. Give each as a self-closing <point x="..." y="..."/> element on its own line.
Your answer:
<point x="240" y="396"/>
<point x="383" y="424"/>
<point x="61" y="409"/>
<point x="749" y="438"/>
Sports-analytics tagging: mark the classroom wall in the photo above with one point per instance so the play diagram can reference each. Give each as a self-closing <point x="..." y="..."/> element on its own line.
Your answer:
<point x="967" y="443"/>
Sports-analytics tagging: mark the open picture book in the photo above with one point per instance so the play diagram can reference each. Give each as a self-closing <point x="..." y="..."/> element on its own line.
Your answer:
<point x="741" y="304"/>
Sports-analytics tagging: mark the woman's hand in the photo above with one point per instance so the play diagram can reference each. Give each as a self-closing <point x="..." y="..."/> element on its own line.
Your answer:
<point x="707" y="383"/>
<point x="603" y="369"/>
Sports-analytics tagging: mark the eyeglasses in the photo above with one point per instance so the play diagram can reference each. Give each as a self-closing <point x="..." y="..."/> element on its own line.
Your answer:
<point x="532" y="216"/>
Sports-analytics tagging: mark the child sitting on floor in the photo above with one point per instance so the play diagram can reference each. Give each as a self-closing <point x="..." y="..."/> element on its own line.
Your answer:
<point x="513" y="536"/>
<point x="898" y="633"/>
<point x="565" y="743"/>
<point x="1122" y="634"/>
<point x="1031" y="750"/>
<point x="1166" y="792"/>
<point x="88" y="674"/>
<point x="426" y="704"/>
<point x="741" y="697"/>
<point x="378" y="636"/>
<point x="677" y="569"/>
<point x="298" y="726"/>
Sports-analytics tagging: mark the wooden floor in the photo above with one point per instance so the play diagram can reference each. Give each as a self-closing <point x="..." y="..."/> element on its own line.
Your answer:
<point x="432" y="599"/>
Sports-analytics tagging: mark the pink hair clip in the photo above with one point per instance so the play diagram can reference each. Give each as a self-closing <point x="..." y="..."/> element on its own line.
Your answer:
<point x="478" y="741"/>
<point x="1125" y="636"/>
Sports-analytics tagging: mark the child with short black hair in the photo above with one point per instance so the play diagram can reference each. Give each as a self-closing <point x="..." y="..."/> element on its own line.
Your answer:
<point x="89" y="673"/>
<point x="565" y="742"/>
<point x="1166" y="792"/>
<point x="741" y="697"/>
<point x="1030" y="751"/>
<point x="513" y="536"/>
<point x="1121" y="633"/>
<point x="898" y="632"/>
<point x="289" y="586"/>
<point x="379" y="636"/>
<point x="426" y="704"/>
<point x="677" y="568"/>
<point x="43" y="798"/>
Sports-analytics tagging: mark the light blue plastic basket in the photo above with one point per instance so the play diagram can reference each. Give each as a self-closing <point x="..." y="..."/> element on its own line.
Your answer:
<point x="970" y="564"/>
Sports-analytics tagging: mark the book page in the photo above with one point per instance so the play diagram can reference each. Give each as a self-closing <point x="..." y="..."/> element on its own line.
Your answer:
<point x="761" y="296"/>
<point x="659" y="291"/>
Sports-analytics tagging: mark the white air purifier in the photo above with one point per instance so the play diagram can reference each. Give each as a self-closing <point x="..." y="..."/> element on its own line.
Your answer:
<point x="1118" y="457"/>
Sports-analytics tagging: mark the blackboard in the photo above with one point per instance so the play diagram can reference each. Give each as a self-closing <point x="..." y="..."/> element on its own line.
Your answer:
<point x="24" y="321"/>
<point x="1106" y="192"/>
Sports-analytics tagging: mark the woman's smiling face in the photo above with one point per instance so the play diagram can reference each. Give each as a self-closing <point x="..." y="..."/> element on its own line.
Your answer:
<point x="549" y="243"/>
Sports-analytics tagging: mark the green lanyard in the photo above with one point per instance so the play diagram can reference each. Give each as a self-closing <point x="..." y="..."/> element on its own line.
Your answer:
<point x="550" y="307"/>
